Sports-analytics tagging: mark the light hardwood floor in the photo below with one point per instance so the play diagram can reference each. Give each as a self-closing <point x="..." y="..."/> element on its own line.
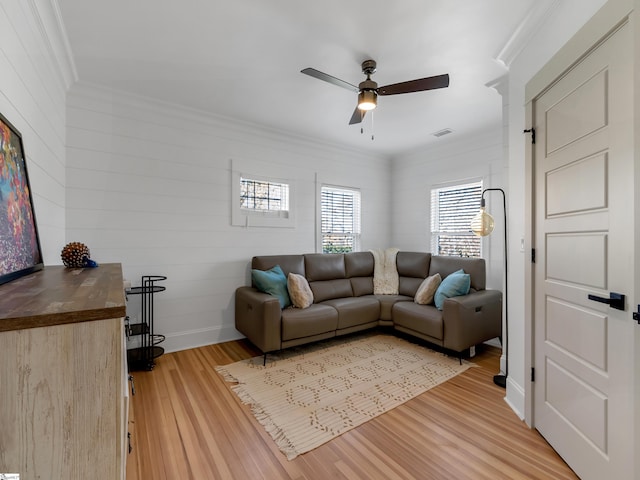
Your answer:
<point x="186" y="423"/>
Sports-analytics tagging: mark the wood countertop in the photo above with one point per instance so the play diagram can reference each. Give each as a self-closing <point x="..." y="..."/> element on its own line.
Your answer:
<point x="58" y="295"/>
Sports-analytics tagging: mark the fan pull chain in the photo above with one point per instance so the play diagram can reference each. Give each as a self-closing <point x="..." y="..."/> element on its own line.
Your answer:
<point x="372" y="126"/>
<point x="362" y="125"/>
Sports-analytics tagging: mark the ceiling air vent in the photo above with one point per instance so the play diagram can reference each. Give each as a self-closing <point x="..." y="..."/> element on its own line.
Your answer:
<point x="440" y="133"/>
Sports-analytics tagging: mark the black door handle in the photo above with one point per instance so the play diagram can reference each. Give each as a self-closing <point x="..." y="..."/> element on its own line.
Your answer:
<point x="615" y="300"/>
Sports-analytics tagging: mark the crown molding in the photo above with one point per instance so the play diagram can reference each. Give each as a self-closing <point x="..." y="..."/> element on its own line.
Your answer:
<point x="48" y="18"/>
<point x="127" y="101"/>
<point x="500" y="85"/>
<point x="524" y="32"/>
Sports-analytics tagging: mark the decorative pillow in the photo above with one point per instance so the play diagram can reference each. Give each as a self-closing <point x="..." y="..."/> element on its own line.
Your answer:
<point x="273" y="282"/>
<point x="426" y="290"/>
<point x="299" y="291"/>
<point x="458" y="283"/>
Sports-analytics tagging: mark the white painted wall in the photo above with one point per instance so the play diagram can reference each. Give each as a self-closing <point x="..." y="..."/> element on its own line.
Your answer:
<point x="565" y="20"/>
<point x="34" y="75"/>
<point x="148" y="185"/>
<point x="451" y="160"/>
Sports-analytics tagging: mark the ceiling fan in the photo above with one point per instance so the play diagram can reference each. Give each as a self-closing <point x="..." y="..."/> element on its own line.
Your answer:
<point x="368" y="90"/>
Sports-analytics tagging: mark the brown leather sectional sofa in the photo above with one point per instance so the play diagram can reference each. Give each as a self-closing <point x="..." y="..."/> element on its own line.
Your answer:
<point x="344" y="302"/>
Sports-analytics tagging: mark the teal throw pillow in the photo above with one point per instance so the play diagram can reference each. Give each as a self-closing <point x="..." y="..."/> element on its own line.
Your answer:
<point x="273" y="282"/>
<point x="458" y="283"/>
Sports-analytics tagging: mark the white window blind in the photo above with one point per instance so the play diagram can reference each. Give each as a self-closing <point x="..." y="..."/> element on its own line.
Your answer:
<point x="340" y="219"/>
<point x="452" y="209"/>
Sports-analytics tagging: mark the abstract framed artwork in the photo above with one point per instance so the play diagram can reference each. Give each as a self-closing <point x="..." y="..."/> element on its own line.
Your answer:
<point x="20" y="252"/>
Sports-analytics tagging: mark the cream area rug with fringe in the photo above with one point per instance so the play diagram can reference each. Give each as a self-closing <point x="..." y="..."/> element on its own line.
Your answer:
<point x="306" y="396"/>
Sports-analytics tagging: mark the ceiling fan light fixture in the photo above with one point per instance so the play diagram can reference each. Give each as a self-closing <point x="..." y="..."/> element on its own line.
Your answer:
<point x="367" y="99"/>
<point x="368" y="90"/>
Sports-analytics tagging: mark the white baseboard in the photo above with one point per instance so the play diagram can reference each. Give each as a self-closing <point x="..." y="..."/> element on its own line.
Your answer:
<point x="515" y="398"/>
<point x="198" y="338"/>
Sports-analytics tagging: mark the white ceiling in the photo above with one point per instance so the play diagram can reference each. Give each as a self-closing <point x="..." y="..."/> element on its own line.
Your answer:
<point x="242" y="59"/>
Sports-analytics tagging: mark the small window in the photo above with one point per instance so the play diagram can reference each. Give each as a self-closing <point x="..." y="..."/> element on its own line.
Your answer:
<point x="266" y="197"/>
<point x="452" y="209"/>
<point x="340" y="219"/>
<point x="258" y="201"/>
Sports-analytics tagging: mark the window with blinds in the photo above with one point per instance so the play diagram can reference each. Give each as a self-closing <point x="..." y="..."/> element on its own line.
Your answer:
<point x="264" y="196"/>
<point x="340" y="219"/>
<point x="452" y="209"/>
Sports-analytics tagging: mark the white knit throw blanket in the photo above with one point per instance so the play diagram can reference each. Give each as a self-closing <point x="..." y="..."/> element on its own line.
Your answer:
<point x="385" y="273"/>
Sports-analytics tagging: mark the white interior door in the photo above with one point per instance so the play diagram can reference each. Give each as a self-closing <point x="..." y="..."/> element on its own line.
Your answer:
<point x="583" y="231"/>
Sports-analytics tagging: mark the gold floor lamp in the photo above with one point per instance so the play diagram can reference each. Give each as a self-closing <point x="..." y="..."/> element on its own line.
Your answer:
<point x="482" y="225"/>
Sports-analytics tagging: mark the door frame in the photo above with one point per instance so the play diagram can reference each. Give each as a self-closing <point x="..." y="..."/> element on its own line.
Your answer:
<point x="607" y="20"/>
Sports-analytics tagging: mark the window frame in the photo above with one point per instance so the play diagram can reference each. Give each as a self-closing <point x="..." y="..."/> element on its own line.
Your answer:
<point x="473" y="206"/>
<point x="247" y="217"/>
<point x="356" y="233"/>
<point x="273" y="212"/>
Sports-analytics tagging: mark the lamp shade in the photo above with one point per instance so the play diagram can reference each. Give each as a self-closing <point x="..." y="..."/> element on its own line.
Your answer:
<point x="367" y="99"/>
<point x="482" y="224"/>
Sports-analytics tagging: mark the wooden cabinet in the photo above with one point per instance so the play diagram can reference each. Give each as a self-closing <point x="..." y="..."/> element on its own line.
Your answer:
<point x="63" y="374"/>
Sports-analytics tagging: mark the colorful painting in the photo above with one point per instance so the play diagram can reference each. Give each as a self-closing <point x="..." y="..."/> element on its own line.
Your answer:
<point x="20" y="252"/>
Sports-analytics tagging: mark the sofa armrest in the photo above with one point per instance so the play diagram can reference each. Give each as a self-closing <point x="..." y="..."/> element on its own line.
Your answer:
<point x="472" y="319"/>
<point x="258" y="317"/>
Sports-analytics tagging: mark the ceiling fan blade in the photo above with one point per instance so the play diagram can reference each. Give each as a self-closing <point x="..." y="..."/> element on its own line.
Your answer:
<point x="357" y="116"/>
<point x="328" y="78"/>
<point x="419" y="85"/>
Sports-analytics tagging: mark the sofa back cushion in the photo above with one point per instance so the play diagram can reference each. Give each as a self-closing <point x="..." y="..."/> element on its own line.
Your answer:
<point x="359" y="269"/>
<point x="413" y="268"/>
<point x="359" y="264"/>
<point x="326" y="273"/>
<point x="330" y="289"/>
<point x="475" y="267"/>
<point x="288" y="263"/>
<point x="324" y="266"/>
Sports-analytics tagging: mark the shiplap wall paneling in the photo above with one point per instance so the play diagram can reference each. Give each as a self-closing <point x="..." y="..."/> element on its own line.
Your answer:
<point x="149" y="185"/>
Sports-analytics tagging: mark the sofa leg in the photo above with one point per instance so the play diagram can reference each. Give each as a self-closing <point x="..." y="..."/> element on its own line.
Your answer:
<point x="264" y="360"/>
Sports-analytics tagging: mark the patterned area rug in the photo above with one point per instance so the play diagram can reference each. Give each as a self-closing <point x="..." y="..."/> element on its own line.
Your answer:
<point x="306" y="396"/>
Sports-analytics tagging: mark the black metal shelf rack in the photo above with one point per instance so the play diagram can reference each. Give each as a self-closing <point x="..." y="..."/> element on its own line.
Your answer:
<point x="143" y="357"/>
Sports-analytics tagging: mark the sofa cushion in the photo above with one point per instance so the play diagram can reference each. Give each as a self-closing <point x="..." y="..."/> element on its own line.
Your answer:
<point x="359" y="269"/>
<point x="299" y="291"/>
<point x="362" y="286"/>
<point x="458" y="283"/>
<point x="413" y="264"/>
<point x="387" y="302"/>
<point x="273" y="282"/>
<point x="315" y="320"/>
<point x="324" y="266"/>
<point x="409" y="286"/>
<point x="413" y="268"/>
<point x="475" y="267"/>
<point x="424" y="319"/>
<point x="426" y="291"/>
<point x="288" y="263"/>
<point x="359" y="264"/>
<point x="355" y="310"/>
<point x="329" y="289"/>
